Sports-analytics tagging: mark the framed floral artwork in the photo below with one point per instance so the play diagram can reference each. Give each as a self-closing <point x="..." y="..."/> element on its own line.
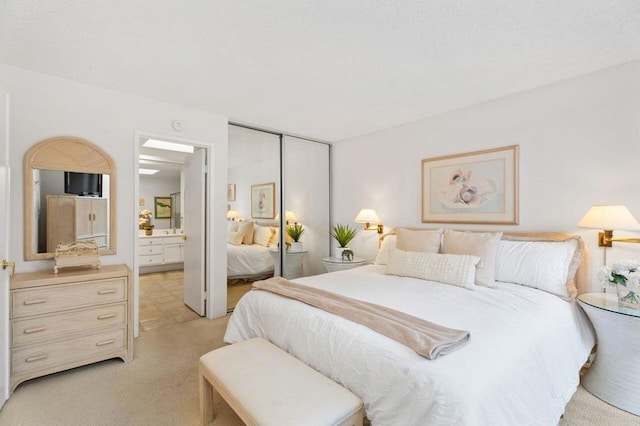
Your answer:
<point x="475" y="187"/>
<point x="263" y="200"/>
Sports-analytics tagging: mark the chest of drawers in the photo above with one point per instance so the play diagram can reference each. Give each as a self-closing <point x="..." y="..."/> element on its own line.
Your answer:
<point x="66" y="320"/>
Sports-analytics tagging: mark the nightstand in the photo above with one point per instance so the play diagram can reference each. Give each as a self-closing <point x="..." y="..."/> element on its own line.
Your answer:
<point x="614" y="376"/>
<point x="333" y="264"/>
<point x="292" y="263"/>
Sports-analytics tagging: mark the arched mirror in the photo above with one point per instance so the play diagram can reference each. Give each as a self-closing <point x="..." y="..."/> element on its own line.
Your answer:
<point x="69" y="194"/>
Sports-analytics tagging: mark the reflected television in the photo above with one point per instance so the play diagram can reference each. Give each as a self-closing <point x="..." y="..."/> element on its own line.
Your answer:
<point x="83" y="184"/>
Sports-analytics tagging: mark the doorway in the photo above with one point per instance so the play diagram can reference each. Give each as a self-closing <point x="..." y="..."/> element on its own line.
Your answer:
<point x="170" y="250"/>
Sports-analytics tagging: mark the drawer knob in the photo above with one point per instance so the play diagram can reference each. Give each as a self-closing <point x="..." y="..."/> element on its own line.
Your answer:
<point x="105" y="342"/>
<point x="37" y="358"/>
<point x="34" y="329"/>
<point x="107" y="291"/>
<point x="34" y="301"/>
<point x="106" y="316"/>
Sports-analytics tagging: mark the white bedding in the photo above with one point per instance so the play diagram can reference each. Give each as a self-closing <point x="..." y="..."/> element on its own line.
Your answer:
<point x="520" y="367"/>
<point x="246" y="260"/>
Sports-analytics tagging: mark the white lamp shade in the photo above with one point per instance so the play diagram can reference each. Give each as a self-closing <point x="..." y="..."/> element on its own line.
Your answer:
<point x="609" y="218"/>
<point x="288" y="216"/>
<point x="367" y="216"/>
<point x="232" y="214"/>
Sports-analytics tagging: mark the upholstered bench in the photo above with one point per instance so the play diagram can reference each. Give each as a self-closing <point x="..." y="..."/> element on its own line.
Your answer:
<point x="265" y="386"/>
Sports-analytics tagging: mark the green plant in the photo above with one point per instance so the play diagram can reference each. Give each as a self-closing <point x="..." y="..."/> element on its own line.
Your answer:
<point x="295" y="231"/>
<point x="343" y="234"/>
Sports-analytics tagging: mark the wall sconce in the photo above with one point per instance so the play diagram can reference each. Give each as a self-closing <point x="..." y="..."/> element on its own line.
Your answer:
<point x="232" y="215"/>
<point x="370" y="219"/>
<point x="609" y="218"/>
<point x="288" y="217"/>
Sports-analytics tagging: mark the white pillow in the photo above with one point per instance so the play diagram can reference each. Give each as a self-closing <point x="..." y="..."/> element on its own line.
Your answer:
<point x="458" y="270"/>
<point x="262" y="235"/>
<point x="386" y="248"/>
<point x="275" y="236"/>
<point x="544" y="265"/>
<point x="426" y="241"/>
<point x="481" y="244"/>
<point x="246" y="228"/>
<point x="235" y="237"/>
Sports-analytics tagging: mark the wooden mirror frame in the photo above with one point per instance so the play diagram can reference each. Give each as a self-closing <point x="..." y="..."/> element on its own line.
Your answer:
<point x="70" y="154"/>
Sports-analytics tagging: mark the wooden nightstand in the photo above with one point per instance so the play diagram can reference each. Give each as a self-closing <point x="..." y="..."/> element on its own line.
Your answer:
<point x="333" y="264"/>
<point x="614" y="376"/>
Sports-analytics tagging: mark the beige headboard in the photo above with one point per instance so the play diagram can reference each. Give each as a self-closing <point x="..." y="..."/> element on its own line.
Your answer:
<point x="582" y="274"/>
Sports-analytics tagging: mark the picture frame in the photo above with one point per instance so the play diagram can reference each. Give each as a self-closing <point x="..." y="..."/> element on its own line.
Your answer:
<point x="162" y="207"/>
<point x="475" y="187"/>
<point x="231" y="192"/>
<point x="263" y="200"/>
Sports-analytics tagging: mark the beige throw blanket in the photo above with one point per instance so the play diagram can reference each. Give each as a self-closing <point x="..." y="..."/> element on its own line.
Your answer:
<point x="427" y="339"/>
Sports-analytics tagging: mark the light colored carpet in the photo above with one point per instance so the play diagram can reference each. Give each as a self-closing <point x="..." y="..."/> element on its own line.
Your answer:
<point x="160" y="387"/>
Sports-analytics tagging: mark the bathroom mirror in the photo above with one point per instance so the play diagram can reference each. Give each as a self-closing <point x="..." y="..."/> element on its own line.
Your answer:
<point x="69" y="194"/>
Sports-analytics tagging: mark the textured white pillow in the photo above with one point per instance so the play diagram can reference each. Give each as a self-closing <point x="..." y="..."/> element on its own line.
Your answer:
<point x="425" y="241"/>
<point x="481" y="244"/>
<point x="458" y="270"/>
<point x="543" y="265"/>
<point x="235" y="237"/>
<point x="246" y="228"/>
<point x="262" y="235"/>
<point x="387" y="247"/>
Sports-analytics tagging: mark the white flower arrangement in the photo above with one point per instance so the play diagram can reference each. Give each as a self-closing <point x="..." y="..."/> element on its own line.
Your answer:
<point x="144" y="219"/>
<point x="624" y="273"/>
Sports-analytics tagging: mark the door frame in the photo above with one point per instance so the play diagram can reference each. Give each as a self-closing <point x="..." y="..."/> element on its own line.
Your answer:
<point x="212" y="306"/>
<point x="5" y="369"/>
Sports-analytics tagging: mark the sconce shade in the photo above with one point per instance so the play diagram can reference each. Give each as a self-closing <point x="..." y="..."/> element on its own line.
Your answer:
<point x="232" y="214"/>
<point x="367" y="216"/>
<point x="609" y="218"/>
<point x="288" y="216"/>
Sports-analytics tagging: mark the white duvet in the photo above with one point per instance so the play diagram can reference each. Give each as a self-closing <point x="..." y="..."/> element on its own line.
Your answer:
<point x="244" y="260"/>
<point x="520" y="366"/>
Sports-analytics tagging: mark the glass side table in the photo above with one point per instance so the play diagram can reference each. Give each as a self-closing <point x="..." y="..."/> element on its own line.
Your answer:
<point x="614" y="376"/>
<point x="333" y="264"/>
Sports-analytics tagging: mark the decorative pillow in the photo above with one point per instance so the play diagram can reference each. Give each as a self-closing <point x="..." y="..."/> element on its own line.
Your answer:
<point x="387" y="247"/>
<point x="275" y="236"/>
<point x="481" y="244"/>
<point x="458" y="270"/>
<point x="234" y="237"/>
<point x="246" y="228"/>
<point x="262" y="235"/>
<point x="545" y="265"/>
<point x="425" y="241"/>
<point x="233" y="226"/>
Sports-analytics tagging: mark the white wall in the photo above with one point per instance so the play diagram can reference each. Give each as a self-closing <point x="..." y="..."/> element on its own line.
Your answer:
<point x="151" y="187"/>
<point x="579" y="145"/>
<point x="43" y="106"/>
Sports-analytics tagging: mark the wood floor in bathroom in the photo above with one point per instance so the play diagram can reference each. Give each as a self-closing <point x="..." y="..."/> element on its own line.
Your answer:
<point x="161" y="299"/>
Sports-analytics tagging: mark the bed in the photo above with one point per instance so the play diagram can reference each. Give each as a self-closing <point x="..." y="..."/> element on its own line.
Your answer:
<point x="521" y="365"/>
<point x="248" y="245"/>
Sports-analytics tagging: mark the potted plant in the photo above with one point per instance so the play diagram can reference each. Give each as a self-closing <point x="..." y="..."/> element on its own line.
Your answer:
<point x="625" y="275"/>
<point x="144" y="221"/>
<point x="295" y="231"/>
<point x="343" y="234"/>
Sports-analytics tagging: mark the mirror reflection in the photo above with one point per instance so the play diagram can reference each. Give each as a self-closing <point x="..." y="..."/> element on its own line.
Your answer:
<point x="69" y="206"/>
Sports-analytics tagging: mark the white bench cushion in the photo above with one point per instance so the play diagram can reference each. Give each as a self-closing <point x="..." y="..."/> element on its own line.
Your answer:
<point x="274" y="388"/>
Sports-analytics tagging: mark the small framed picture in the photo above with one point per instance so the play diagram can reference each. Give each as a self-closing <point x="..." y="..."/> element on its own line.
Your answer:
<point x="263" y="200"/>
<point x="162" y="207"/>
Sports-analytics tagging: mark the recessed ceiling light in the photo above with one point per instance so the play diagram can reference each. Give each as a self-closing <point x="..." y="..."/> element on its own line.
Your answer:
<point x="168" y="146"/>
<point x="148" y="171"/>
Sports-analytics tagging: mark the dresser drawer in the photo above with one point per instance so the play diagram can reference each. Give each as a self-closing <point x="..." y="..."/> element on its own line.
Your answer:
<point x="34" y="358"/>
<point x="54" y="298"/>
<point x="147" y="250"/>
<point x="173" y="240"/>
<point x="155" y="259"/>
<point x="149" y="242"/>
<point x="46" y="327"/>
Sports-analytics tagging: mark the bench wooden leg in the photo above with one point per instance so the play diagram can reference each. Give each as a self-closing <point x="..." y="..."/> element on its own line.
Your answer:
<point x="207" y="412"/>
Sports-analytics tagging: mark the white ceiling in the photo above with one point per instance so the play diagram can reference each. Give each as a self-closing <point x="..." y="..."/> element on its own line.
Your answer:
<point x="329" y="69"/>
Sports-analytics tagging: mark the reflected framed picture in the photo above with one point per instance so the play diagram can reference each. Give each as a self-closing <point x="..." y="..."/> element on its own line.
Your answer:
<point x="162" y="207"/>
<point x="231" y="192"/>
<point x="263" y="200"/>
<point x="474" y="187"/>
